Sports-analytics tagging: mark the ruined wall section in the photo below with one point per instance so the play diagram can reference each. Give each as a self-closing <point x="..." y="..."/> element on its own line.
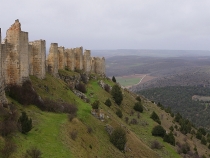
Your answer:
<point x="87" y="61"/>
<point x="37" y="59"/>
<point x="24" y="56"/>
<point x="79" y="58"/>
<point x="2" y="93"/>
<point x="11" y="55"/>
<point x="98" y="65"/>
<point x="93" y="65"/>
<point x="53" y="59"/>
<point x="62" y="58"/>
<point x="70" y="59"/>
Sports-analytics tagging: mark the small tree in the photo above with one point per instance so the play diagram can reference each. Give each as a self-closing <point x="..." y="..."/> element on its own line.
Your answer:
<point x="25" y="122"/>
<point x="155" y="117"/>
<point x="203" y="141"/>
<point x="119" y="113"/>
<point x="117" y="94"/>
<point x="169" y="138"/>
<point x="108" y="102"/>
<point x="118" y="138"/>
<point x="113" y="79"/>
<point x="158" y="131"/>
<point x="138" y="107"/>
<point x="95" y="104"/>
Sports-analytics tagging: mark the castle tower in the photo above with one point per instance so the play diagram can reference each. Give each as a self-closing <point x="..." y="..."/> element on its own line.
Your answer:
<point x="37" y="58"/>
<point x="62" y="58"/>
<point x="79" y="58"/>
<point x="87" y="61"/>
<point x="53" y="59"/>
<point x="15" y="55"/>
<point x="70" y="59"/>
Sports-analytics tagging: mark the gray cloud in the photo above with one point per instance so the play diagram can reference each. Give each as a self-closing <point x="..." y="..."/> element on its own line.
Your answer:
<point x="113" y="24"/>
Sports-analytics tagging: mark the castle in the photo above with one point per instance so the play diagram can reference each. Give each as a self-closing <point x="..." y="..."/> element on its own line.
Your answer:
<point x="20" y="58"/>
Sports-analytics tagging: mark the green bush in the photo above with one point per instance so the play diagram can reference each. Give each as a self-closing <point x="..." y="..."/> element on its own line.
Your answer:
<point x="25" y="122"/>
<point x="118" y="138"/>
<point x="138" y="107"/>
<point x="155" y="117"/>
<point x="169" y="138"/>
<point x="158" y="131"/>
<point x="117" y="94"/>
<point x="113" y="79"/>
<point x="119" y="113"/>
<point x="95" y="104"/>
<point x="108" y="102"/>
<point x="198" y="135"/>
<point x="203" y="141"/>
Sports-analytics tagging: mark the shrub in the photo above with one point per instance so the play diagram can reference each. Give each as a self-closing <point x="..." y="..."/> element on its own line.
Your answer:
<point x="158" y="131"/>
<point x="198" y="135"/>
<point x="138" y="98"/>
<point x="73" y="134"/>
<point x="156" y="145"/>
<point x="71" y="116"/>
<point x="95" y="104"/>
<point x="155" y="117"/>
<point x="113" y="79"/>
<point x="24" y="94"/>
<point x="169" y="138"/>
<point x="108" y="102"/>
<point x="203" y="141"/>
<point x="81" y="87"/>
<point x="118" y="138"/>
<point x="84" y="78"/>
<point x="56" y="106"/>
<point x="107" y="88"/>
<point x="134" y="121"/>
<point x="117" y="94"/>
<point x="89" y="130"/>
<point x="8" y="148"/>
<point x="33" y="152"/>
<point x="126" y="119"/>
<point x="25" y="122"/>
<point x="138" y="107"/>
<point x="202" y="131"/>
<point x="119" y="113"/>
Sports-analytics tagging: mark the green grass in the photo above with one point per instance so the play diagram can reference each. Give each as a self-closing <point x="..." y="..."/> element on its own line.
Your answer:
<point x="127" y="81"/>
<point x="46" y="135"/>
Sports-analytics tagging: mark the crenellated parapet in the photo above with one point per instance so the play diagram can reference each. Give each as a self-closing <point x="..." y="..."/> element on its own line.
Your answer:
<point x="20" y="58"/>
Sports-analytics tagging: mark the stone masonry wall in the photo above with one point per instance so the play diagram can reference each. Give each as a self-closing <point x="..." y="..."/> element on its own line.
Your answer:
<point x="19" y="58"/>
<point x="87" y="61"/>
<point x="2" y="94"/>
<point x="79" y="58"/>
<point x="70" y="59"/>
<point x="53" y="59"/>
<point x="37" y="58"/>
<point x="62" y="58"/>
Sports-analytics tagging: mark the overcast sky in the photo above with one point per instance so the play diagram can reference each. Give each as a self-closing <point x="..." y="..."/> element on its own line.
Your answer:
<point x="113" y="24"/>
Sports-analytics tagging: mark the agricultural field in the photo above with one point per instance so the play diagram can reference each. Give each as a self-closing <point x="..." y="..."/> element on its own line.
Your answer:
<point x="127" y="81"/>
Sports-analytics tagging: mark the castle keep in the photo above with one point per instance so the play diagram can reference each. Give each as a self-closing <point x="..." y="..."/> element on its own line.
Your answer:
<point x="20" y="58"/>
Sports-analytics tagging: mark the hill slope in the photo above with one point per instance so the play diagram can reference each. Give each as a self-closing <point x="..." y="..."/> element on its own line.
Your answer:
<point x="52" y="132"/>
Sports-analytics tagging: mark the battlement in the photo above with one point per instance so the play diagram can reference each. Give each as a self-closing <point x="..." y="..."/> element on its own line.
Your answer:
<point x="20" y="58"/>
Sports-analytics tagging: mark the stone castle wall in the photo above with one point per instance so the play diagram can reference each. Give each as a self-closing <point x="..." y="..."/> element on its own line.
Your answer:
<point x="37" y="57"/>
<point x="20" y="58"/>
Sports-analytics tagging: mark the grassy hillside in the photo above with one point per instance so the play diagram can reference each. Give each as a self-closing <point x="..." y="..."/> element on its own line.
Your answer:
<point x="52" y="132"/>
